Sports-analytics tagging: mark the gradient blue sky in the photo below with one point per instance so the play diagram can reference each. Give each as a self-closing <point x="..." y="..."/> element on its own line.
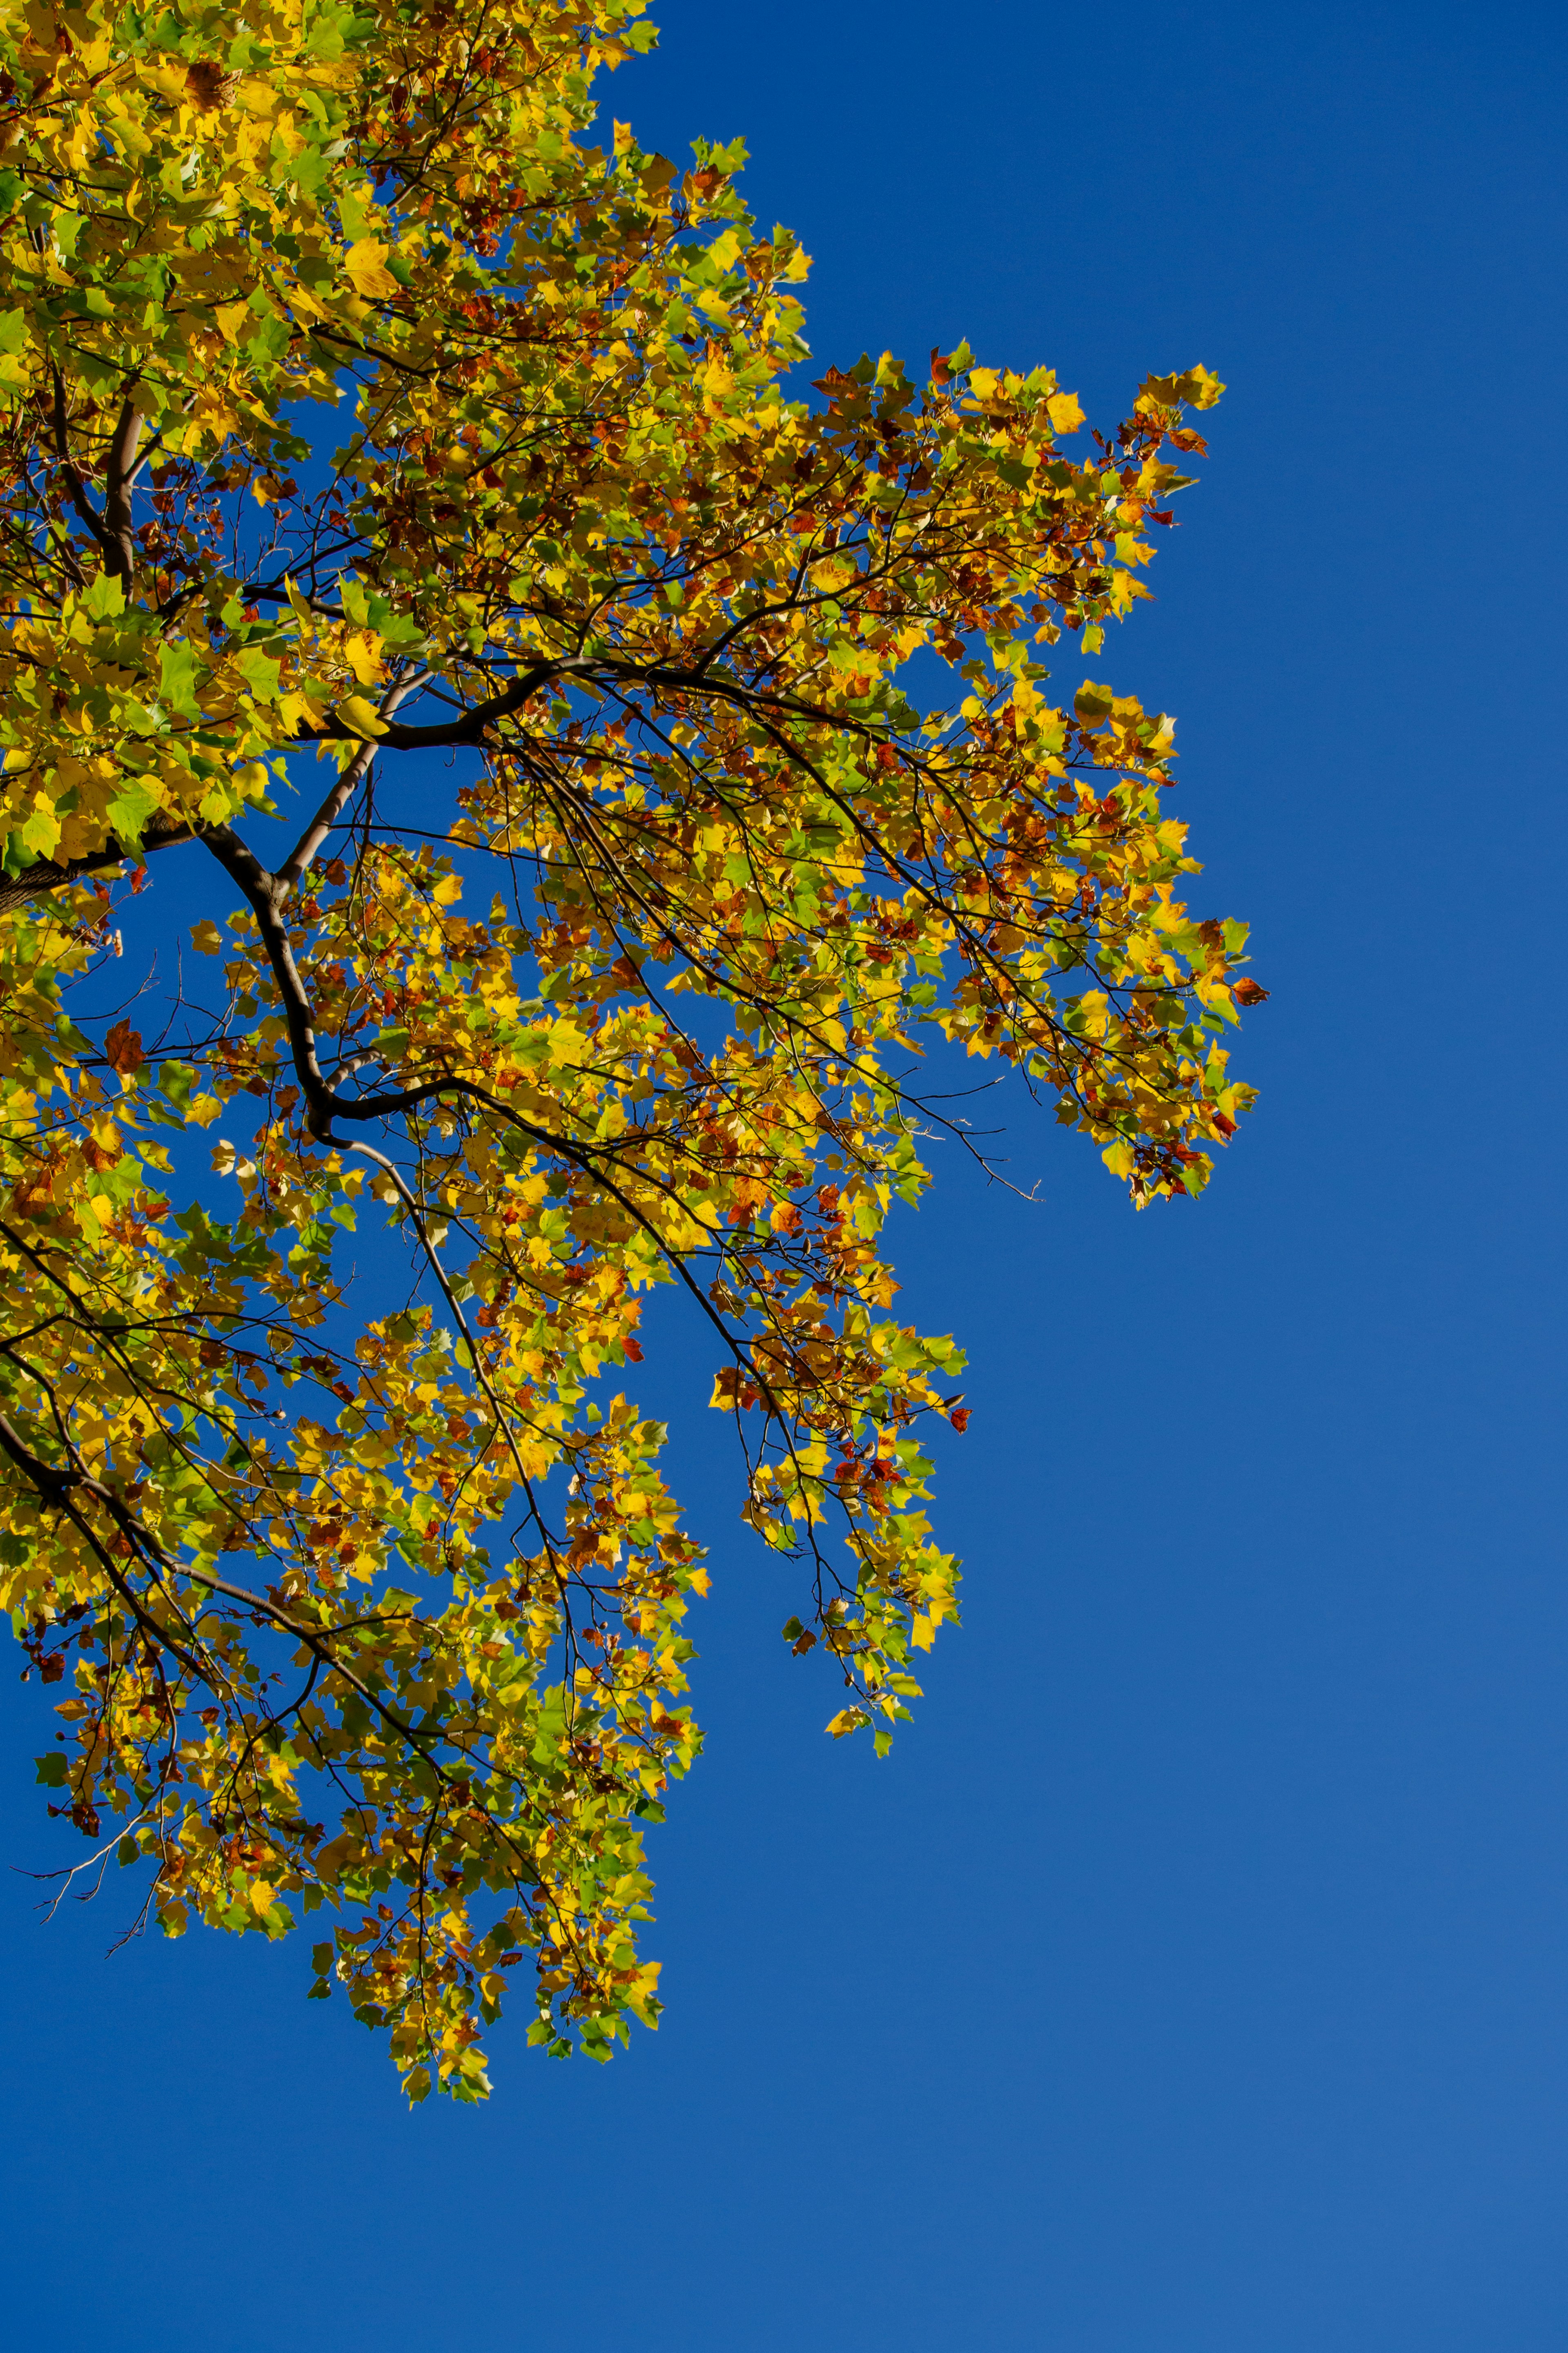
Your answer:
<point x="1194" y="1979"/>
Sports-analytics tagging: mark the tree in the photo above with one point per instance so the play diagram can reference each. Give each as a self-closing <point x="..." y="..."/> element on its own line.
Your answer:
<point x="634" y="991"/>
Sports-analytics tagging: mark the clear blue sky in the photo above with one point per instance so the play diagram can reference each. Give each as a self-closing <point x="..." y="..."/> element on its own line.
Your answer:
<point x="1194" y="1979"/>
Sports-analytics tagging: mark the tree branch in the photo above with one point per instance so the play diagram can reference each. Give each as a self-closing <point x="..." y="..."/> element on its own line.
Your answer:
<point x="118" y="547"/>
<point x="75" y="486"/>
<point x="297" y="863"/>
<point x="47" y="874"/>
<point x="267" y="895"/>
<point x="470" y="728"/>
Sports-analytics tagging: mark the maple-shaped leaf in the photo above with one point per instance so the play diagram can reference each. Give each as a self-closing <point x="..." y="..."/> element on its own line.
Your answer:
<point x="123" y="1049"/>
<point x="365" y="263"/>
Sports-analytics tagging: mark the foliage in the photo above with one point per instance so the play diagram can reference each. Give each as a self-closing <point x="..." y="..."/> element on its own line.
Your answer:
<point x="724" y="867"/>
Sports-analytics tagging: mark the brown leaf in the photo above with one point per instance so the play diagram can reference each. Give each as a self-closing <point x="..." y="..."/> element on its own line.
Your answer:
<point x="210" y="85"/>
<point x="123" y="1048"/>
<point x="1248" y="991"/>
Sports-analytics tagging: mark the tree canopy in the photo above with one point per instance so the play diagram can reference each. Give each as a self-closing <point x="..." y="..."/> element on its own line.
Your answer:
<point x="611" y="757"/>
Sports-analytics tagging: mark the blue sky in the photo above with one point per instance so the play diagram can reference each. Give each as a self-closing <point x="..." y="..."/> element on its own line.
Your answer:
<point x="1194" y="1979"/>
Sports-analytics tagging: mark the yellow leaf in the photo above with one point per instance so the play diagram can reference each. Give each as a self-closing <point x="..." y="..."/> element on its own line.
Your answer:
<point x="364" y="650"/>
<point x="362" y="716"/>
<point x="1065" y="411"/>
<point x="643" y="1992"/>
<point x="260" y="1896"/>
<point x="206" y="937"/>
<point x="366" y="265"/>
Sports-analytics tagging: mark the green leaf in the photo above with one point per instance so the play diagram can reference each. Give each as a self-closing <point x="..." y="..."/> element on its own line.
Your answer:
<point x="178" y="671"/>
<point x="103" y="598"/>
<point x="129" y="812"/>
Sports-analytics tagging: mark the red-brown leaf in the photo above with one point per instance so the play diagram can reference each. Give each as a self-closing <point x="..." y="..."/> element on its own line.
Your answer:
<point x="123" y="1048"/>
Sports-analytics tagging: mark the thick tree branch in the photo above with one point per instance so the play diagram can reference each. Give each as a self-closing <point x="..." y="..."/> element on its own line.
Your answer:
<point x="48" y="874"/>
<point x="111" y="529"/>
<point x="471" y="727"/>
<point x="268" y="894"/>
<point x="118" y="547"/>
<point x="75" y="488"/>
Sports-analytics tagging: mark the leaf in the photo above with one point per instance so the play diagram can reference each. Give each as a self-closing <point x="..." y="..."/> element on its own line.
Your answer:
<point x="1202" y="388"/>
<point x="1065" y="411"/>
<point x="206" y="937"/>
<point x="1196" y="386"/>
<point x="364" y="650"/>
<point x="362" y="716"/>
<point x="123" y="1049"/>
<point x="177" y="674"/>
<point x="847" y="1720"/>
<point x="104" y="597"/>
<point x="130" y="812"/>
<point x="41" y="832"/>
<point x="261" y="673"/>
<point x="365" y="264"/>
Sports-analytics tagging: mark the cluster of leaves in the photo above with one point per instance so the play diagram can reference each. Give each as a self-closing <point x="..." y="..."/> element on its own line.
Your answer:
<point x="733" y="867"/>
